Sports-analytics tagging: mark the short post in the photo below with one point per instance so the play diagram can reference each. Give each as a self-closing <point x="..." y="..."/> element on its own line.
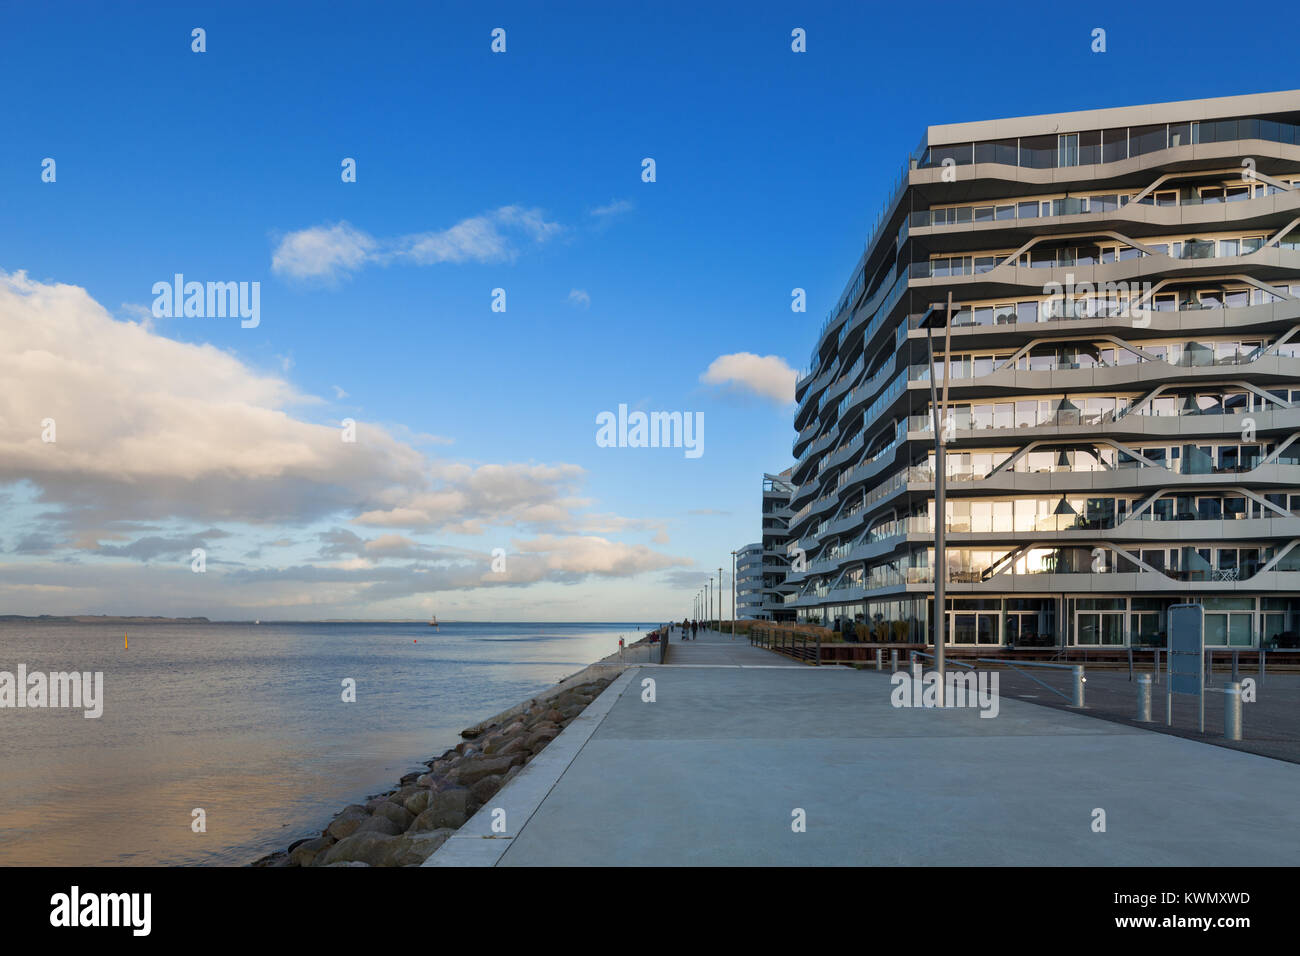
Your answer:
<point x="880" y="658"/>
<point x="893" y="655"/>
<point x="1144" y="698"/>
<point x="1078" y="687"/>
<point x="1235" y="677"/>
<point x="1232" y="711"/>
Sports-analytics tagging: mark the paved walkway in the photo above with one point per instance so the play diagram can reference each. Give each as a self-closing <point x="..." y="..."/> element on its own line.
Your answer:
<point x="713" y="770"/>
<point x="712" y="647"/>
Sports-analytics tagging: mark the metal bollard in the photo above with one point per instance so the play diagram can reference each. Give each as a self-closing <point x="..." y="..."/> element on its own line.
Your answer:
<point x="893" y="655"/>
<point x="1078" y="687"/>
<point x="1232" y="711"/>
<point x="1144" y="698"/>
<point x="880" y="658"/>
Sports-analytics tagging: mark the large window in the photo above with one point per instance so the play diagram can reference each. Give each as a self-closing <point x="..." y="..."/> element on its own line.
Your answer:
<point x="1114" y="145"/>
<point x="1111" y="145"/>
<point x="1067" y="149"/>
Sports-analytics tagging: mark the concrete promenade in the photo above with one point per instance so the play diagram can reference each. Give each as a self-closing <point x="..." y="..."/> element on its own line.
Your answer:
<point x="738" y="739"/>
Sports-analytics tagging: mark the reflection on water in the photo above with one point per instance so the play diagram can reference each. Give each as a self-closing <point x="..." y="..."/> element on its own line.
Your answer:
<point x="248" y="723"/>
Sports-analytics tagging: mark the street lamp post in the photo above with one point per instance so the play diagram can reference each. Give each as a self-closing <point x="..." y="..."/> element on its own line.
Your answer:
<point x="719" y="600"/>
<point x="940" y="488"/>
<point x="733" y="595"/>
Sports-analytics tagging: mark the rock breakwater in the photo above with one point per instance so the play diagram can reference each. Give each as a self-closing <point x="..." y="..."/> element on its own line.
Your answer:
<point x="405" y="825"/>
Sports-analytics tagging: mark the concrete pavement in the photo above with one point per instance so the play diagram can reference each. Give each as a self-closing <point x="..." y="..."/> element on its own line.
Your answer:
<point x="713" y="647"/>
<point x="739" y="740"/>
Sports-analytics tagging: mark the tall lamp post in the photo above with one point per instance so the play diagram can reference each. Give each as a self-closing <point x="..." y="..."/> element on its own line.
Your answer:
<point x="940" y="488"/>
<point x="733" y="595"/>
<point x="719" y="600"/>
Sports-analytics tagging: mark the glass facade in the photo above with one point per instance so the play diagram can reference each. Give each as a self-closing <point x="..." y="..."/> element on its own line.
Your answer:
<point x="1119" y="406"/>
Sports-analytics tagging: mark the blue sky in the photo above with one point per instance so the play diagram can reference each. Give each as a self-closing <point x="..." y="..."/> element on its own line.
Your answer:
<point x="475" y="171"/>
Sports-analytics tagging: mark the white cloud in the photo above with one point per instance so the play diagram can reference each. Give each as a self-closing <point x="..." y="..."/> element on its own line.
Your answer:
<point x="591" y="555"/>
<point x="331" y="252"/>
<point x="766" y="375"/>
<point x="579" y="297"/>
<point x="323" y="251"/>
<point x="338" y="392"/>
<point x="155" y="436"/>
<point x="615" y="207"/>
<point x="148" y="428"/>
<point x="467" y="499"/>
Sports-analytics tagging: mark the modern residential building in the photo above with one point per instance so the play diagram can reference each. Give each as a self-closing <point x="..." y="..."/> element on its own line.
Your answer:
<point x="749" y="582"/>
<point x="777" y="490"/>
<point x="1116" y="297"/>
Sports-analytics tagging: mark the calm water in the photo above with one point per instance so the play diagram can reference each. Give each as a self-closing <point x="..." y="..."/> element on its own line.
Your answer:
<point x="248" y="722"/>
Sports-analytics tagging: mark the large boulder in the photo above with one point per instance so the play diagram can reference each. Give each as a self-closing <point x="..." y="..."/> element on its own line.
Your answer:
<point x="414" y="848"/>
<point x="514" y="745"/>
<point x="307" y="850"/>
<point x="472" y="771"/>
<point x="485" y="789"/>
<point x="417" y="803"/>
<point x="378" y="824"/>
<point x="450" y="808"/>
<point x="347" y="822"/>
<point x="399" y="815"/>
<point x="368" y="848"/>
<point x="401" y="796"/>
<point x="540" y="738"/>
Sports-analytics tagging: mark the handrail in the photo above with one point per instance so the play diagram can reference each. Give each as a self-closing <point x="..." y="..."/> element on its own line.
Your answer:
<point x="947" y="660"/>
<point x="1079" y="678"/>
<point x="1003" y="660"/>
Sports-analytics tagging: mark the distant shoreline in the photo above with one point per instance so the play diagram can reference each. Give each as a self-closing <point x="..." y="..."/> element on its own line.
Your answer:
<point x="97" y="619"/>
<point x="159" y="619"/>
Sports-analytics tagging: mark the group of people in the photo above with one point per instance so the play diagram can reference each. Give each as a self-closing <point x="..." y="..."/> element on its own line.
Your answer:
<point x="690" y="629"/>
